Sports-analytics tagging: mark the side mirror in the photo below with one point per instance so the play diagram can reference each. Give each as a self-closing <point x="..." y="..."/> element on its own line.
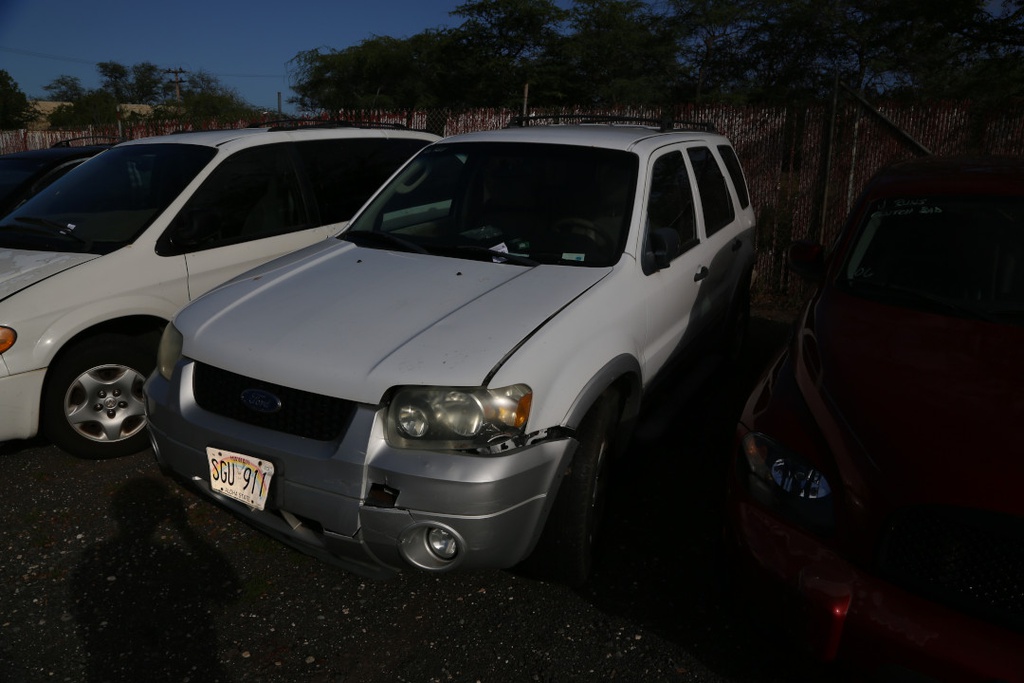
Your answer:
<point x="663" y="246"/>
<point x="806" y="259"/>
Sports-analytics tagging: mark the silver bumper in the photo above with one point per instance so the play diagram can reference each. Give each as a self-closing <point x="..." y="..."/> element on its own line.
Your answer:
<point x="361" y="504"/>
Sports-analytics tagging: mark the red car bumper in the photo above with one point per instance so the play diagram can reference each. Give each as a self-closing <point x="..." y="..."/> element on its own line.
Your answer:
<point x="849" y="615"/>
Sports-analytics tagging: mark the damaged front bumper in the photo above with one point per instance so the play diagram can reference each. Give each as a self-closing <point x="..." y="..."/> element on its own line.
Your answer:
<point x="362" y="504"/>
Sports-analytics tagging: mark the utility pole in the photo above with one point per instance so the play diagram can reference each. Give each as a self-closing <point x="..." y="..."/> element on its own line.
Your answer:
<point x="177" y="82"/>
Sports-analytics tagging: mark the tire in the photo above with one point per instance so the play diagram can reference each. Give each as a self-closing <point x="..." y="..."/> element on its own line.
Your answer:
<point x="565" y="550"/>
<point x="92" y="401"/>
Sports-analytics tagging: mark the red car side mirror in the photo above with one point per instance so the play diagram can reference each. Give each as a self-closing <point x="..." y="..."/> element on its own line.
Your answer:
<point x="806" y="259"/>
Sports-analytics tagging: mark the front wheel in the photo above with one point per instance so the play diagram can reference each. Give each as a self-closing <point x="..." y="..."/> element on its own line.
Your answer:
<point x="565" y="550"/>
<point x="92" y="402"/>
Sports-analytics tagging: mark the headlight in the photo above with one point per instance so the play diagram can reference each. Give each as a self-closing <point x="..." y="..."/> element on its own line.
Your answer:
<point x="787" y="482"/>
<point x="457" y="417"/>
<point x="169" y="352"/>
<point x="7" y="338"/>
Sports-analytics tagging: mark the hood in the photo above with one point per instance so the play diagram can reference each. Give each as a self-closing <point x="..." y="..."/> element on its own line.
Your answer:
<point x="922" y="408"/>
<point x="352" y="322"/>
<point x="20" y="269"/>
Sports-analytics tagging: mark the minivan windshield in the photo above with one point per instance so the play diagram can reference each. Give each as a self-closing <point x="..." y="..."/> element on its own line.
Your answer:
<point x="960" y="256"/>
<point x="517" y="203"/>
<point x="107" y="203"/>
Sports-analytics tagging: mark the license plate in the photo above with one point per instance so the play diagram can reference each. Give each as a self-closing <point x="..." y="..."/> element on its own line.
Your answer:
<point x="242" y="477"/>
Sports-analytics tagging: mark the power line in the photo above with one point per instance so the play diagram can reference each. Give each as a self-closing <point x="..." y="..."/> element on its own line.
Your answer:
<point x="79" y="60"/>
<point x="44" y="55"/>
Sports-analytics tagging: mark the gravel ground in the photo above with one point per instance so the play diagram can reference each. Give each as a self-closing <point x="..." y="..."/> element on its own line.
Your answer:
<point x="111" y="572"/>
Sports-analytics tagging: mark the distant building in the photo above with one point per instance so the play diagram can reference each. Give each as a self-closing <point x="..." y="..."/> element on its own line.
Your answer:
<point x="43" y="109"/>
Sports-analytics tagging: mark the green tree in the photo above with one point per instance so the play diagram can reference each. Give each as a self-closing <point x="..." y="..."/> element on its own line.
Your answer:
<point x="710" y="36"/>
<point x="15" y="110"/>
<point x="97" y="107"/>
<point x="142" y="83"/>
<point x="618" y="52"/>
<point x="65" y="88"/>
<point x="379" y="72"/>
<point x="501" y="46"/>
<point x="204" y="97"/>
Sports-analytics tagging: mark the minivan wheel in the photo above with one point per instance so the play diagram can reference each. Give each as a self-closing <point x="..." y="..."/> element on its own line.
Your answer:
<point x="92" y="402"/>
<point x="565" y="550"/>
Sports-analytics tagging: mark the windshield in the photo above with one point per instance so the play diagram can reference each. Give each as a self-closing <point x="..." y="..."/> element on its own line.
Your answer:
<point x="103" y="205"/>
<point x="15" y="172"/>
<point x="949" y="255"/>
<point x="537" y="203"/>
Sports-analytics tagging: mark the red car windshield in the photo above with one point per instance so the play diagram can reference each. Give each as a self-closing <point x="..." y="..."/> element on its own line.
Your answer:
<point x="953" y="255"/>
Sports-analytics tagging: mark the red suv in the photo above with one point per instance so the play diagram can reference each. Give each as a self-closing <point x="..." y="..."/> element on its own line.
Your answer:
<point x="875" y="496"/>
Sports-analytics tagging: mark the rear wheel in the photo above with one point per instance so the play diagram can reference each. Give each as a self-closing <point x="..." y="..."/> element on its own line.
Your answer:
<point x="565" y="550"/>
<point x="92" y="403"/>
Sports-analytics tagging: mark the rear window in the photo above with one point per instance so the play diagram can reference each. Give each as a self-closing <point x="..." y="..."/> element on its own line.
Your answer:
<point x="714" y="194"/>
<point x="732" y="164"/>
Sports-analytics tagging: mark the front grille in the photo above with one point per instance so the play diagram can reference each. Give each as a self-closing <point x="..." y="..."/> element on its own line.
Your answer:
<point x="302" y="413"/>
<point x="968" y="560"/>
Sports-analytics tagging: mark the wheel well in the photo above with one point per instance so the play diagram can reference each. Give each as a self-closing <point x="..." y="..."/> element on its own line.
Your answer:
<point x="148" y="328"/>
<point x="627" y="392"/>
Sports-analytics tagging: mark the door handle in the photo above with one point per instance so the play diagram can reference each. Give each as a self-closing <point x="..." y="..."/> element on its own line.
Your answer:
<point x="736" y="244"/>
<point x="701" y="274"/>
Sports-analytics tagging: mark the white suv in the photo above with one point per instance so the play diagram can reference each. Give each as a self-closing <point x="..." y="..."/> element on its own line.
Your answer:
<point x="93" y="267"/>
<point x="441" y="385"/>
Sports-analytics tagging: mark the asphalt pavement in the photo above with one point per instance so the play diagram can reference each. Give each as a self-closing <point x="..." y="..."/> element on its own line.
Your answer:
<point x="111" y="572"/>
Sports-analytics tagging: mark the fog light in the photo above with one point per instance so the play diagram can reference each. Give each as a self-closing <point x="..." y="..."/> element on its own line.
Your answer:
<point x="442" y="543"/>
<point x="432" y="545"/>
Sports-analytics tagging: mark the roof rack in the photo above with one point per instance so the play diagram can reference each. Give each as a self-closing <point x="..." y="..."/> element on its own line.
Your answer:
<point x="295" y="124"/>
<point x="664" y="124"/>
<point x="110" y="140"/>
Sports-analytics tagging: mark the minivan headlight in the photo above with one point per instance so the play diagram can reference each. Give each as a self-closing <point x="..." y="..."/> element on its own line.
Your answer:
<point x="169" y="351"/>
<point x="456" y="417"/>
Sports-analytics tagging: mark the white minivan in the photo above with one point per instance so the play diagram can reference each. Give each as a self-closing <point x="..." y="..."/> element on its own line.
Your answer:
<point x="93" y="267"/>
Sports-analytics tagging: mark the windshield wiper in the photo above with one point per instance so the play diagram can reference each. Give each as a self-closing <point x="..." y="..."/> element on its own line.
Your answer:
<point x="366" y="238"/>
<point x="497" y="255"/>
<point x="58" y="228"/>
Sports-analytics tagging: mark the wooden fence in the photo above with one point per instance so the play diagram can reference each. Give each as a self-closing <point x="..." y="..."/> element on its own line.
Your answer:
<point x="805" y="164"/>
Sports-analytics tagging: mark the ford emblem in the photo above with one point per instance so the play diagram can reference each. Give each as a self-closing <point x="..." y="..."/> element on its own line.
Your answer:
<point x="260" y="401"/>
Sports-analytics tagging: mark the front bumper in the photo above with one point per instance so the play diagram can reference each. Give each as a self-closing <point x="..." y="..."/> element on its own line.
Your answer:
<point x="359" y="503"/>
<point x="844" y="613"/>
<point x="20" y="396"/>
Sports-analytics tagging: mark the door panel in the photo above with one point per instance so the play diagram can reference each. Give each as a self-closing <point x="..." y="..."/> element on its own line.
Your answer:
<point x="671" y="295"/>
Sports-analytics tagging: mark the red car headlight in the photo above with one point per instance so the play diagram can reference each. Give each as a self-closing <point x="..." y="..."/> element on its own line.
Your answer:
<point x="787" y="483"/>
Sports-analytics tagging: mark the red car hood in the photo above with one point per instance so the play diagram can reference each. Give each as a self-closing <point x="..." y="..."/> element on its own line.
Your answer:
<point x="917" y="407"/>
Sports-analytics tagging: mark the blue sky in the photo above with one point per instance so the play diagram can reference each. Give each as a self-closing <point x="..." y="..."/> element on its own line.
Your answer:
<point x="246" y="45"/>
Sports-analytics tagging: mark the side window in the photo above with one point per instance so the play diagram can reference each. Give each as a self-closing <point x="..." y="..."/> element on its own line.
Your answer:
<point x="252" y="194"/>
<point x="732" y="164"/>
<point x="714" y="193"/>
<point x="344" y="173"/>
<point x="670" y="203"/>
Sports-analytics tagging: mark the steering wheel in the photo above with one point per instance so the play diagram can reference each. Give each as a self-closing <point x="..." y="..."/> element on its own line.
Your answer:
<point x="584" y="228"/>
